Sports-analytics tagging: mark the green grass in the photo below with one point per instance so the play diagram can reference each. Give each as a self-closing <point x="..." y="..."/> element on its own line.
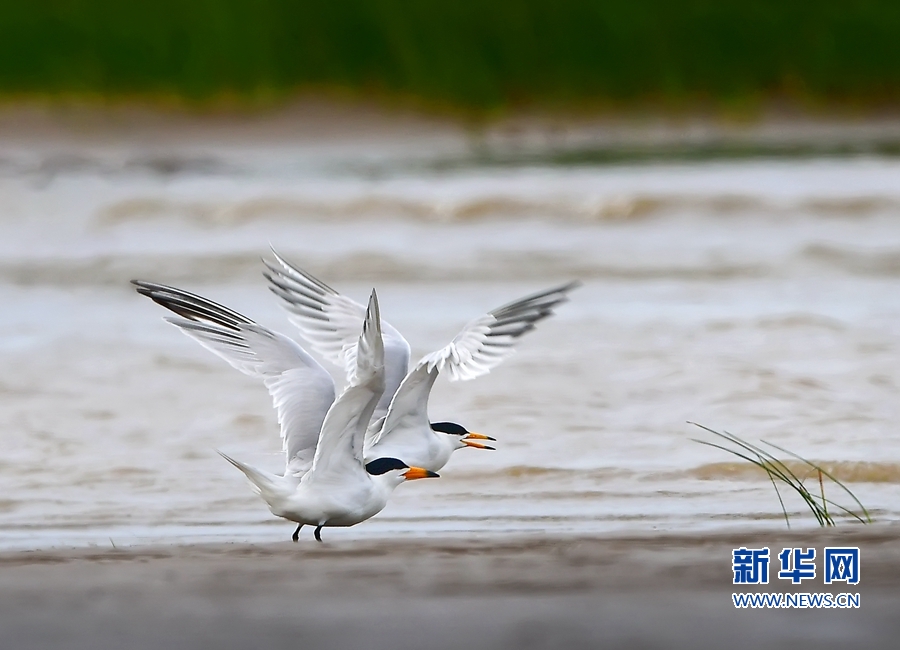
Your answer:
<point x="472" y="54"/>
<point x="780" y="472"/>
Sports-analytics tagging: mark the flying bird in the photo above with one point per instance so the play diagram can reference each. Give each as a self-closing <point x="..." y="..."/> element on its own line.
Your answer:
<point x="400" y="425"/>
<point x="326" y="481"/>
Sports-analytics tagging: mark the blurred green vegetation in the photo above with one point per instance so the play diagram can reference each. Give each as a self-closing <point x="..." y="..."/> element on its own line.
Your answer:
<point x="479" y="54"/>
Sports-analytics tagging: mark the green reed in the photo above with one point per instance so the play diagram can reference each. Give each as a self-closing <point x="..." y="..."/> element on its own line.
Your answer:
<point x="779" y="472"/>
<point x="465" y="53"/>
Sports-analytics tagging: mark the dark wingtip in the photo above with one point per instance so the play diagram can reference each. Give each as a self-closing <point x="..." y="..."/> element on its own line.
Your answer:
<point x="144" y="288"/>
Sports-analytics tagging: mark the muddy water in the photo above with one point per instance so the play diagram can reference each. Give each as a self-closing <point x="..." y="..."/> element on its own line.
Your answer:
<point x="759" y="297"/>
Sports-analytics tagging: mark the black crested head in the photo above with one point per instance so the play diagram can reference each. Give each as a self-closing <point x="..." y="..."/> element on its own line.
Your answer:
<point x="452" y="428"/>
<point x="381" y="466"/>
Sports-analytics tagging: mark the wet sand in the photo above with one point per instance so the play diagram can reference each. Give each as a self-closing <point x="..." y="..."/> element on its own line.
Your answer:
<point x="649" y="591"/>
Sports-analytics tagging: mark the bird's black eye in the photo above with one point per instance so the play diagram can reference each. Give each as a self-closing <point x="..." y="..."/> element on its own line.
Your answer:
<point x="449" y="427"/>
<point x="380" y="466"/>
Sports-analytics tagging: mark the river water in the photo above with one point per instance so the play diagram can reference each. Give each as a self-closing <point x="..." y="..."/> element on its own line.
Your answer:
<point x="760" y="296"/>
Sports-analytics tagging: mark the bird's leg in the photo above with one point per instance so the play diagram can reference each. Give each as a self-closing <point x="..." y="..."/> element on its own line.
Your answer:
<point x="296" y="535"/>
<point x="318" y="533"/>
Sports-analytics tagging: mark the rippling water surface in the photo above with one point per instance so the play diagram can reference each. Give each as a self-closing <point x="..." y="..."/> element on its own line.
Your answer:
<point x="762" y="297"/>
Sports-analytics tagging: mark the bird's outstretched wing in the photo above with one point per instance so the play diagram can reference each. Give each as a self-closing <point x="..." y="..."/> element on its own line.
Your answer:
<point x="340" y="448"/>
<point x="330" y="323"/>
<point x="479" y="347"/>
<point x="301" y="389"/>
<point x="486" y="341"/>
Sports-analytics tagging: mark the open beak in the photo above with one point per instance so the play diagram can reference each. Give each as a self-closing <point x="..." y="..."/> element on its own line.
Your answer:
<point x="477" y="436"/>
<point x="477" y="445"/>
<point x="417" y="472"/>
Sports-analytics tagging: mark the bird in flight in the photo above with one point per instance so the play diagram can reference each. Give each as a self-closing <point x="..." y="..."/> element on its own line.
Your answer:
<point x="400" y="425"/>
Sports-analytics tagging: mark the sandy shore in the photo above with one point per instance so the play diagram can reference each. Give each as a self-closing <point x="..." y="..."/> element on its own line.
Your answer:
<point x="635" y="592"/>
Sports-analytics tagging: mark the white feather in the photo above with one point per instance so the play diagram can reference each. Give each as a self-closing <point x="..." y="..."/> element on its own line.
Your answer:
<point x="302" y="390"/>
<point x="330" y="323"/>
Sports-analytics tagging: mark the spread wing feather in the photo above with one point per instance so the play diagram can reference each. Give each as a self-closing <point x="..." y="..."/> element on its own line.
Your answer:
<point x="478" y="348"/>
<point x="340" y="448"/>
<point x="330" y="323"/>
<point x="301" y="389"/>
<point x="487" y="340"/>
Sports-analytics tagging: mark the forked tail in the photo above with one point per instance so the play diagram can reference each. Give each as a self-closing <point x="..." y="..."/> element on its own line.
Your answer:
<point x="271" y="487"/>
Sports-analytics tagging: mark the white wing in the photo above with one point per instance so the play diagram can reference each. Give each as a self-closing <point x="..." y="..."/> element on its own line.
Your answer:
<point x="340" y="449"/>
<point x="486" y="341"/>
<point x="301" y="389"/>
<point x="331" y="323"/>
<point x="408" y="413"/>
<point x="479" y="347"/>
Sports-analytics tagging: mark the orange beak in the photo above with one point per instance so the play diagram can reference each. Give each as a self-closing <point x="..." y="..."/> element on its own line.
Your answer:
<point x="476" y="445"/>
<point x="477" y="436"/>
<point x="417" y="472"/>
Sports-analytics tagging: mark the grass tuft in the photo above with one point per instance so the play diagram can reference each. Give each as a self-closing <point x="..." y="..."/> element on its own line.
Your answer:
<point x="779" y="472"/>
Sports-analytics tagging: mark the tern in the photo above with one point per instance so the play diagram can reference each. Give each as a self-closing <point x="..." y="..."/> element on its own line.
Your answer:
<point x="400" y="425"/>
<point x="326" y="481"/>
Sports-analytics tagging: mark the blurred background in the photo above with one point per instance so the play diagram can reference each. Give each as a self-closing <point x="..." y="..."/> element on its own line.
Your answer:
<point x="461" y="55"/>
<point x="723" y="176"/>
